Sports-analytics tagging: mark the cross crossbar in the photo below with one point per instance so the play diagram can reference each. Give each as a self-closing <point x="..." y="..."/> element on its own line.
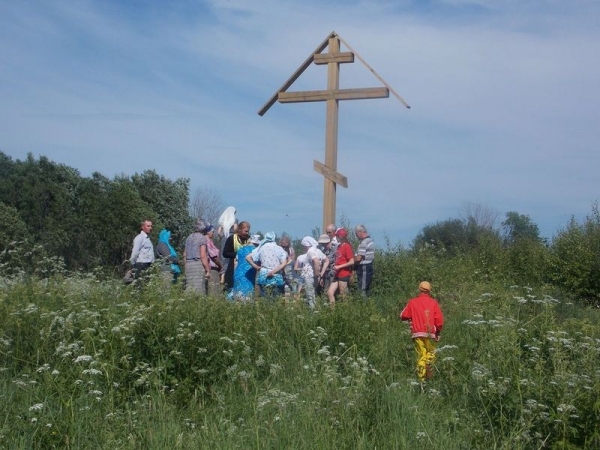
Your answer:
<point x="339" y="94"/>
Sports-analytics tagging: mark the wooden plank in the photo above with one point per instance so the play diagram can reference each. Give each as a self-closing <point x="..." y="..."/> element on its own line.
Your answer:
<point x="337" y="94"/>
<point x="331" y="135"/>
<point x="326" y="58"/>
<point x="334" y="176"/>
<point x="376" y="74"/>
<point x="296" y="74"/>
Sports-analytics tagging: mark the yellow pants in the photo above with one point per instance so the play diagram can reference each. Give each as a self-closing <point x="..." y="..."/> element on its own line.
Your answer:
<point x="425" y="356"/>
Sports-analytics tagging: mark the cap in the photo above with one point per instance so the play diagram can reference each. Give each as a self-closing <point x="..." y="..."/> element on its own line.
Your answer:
<point x="424" y="286"/>
<point x="341" y="232"/>
<point x="324" y="239"/>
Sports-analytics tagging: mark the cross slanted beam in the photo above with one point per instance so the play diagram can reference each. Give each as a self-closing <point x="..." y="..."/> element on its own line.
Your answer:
<point x="332" y="95"/>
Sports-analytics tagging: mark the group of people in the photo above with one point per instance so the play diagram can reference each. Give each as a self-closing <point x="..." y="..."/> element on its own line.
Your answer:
<point x="246" y="263"/>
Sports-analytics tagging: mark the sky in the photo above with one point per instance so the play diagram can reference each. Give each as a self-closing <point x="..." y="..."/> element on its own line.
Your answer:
<point x="504" y="96"/>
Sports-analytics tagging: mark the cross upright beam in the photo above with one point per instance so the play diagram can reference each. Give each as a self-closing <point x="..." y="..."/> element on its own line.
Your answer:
<point x="332" y="95"/>
<point x="331" y="134"/>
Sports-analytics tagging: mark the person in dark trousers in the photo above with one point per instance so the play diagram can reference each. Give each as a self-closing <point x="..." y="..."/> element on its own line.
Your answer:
<point x="142" y="254"/>
<point x="363" y="260"/>
<point x="232" y="244"/>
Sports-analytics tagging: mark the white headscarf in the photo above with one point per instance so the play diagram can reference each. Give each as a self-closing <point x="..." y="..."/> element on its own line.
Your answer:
<point x="309" y="241"/>
<point x="227" y="220"/>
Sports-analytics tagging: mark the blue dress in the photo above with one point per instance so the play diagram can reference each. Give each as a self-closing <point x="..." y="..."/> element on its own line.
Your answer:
<point x="243" y="276"/>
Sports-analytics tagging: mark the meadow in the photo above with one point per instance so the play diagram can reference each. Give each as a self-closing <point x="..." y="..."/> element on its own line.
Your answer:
<point x="87" y="362"/>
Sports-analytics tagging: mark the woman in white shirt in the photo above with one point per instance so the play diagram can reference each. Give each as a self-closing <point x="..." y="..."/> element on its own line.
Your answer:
<point x="311" y="270"/>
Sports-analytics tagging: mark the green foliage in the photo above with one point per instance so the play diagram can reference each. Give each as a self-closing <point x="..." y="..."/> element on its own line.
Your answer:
<point x="12" y="227"/>
<point x="575" y="257"/>
<point x="169" y="199"/>
<point x="519" y="227"/>
<point x="454" y="235"/>
<point x="85" y="222"/>
<point x="89" y="364"/>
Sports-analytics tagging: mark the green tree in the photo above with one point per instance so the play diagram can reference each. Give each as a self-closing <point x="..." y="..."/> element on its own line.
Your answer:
<point x="575" y="257"/>
<point x="527" y="253"/>
<point x="12" y="227"/>
<point x="168" y="199"/>
<point x="88" y="222"/>
<point x="454" y="235"/>
<point x="519" y="226"/>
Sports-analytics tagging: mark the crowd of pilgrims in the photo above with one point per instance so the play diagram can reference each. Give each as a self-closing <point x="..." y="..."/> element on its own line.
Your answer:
<point x="245" y="265"/>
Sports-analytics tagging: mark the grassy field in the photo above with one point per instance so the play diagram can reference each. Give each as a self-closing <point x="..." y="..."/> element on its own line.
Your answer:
<point x="95" y="364"/>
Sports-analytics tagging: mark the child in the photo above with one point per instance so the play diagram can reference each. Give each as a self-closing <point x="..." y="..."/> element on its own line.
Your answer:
<point x="426" y="322"/>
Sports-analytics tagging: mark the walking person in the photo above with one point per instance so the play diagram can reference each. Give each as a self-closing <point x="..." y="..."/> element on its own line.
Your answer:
<point x="327" y="272"/>
<point x="197" y="266"/>
<point x="270" y="260"/>
<point x="142" y="254"/>
<point x="331" y="253"/>
<point x="214" y="259"/>
<point x="244" y="275"/>
<point x="344" y="261"/>
<point x="311" y="270"/>
<point x="286" y="244"/>
<point x="166" y="254"/>
<point x="226" y="226"/>
<point x="232" y="244"/>
<point x="426" y="323"/>
<point x="363" y="260"/>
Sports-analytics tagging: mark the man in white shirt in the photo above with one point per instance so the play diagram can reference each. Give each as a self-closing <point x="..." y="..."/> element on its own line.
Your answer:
<point x="142" y="254"/>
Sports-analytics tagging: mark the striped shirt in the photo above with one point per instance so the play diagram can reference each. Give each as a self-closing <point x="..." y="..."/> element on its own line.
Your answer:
<point x="366" y="249"/>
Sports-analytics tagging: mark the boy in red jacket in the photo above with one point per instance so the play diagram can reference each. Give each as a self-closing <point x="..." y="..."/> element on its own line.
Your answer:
<point x="426" y="322"/>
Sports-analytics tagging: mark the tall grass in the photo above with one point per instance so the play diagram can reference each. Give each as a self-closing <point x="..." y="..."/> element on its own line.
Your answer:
<point x="94" y="364"/>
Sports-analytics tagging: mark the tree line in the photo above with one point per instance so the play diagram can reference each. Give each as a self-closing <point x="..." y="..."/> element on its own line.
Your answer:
<point x="514" y="252"/>
<point x="49" y="210"/>
<point x="52" y="216"/>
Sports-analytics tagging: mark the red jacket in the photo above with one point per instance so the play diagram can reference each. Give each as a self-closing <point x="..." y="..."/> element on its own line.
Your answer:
<point x="425" y="316"/>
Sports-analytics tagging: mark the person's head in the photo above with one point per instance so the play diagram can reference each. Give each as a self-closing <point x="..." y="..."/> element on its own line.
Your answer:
<point x="146" y="226"/>
<point x="164" y="236"/>
<point x="308" y="242"/>
<point x="341" y="234"/>
<point x="208" y="230"/>
<point x="243" y="230"/>
<point x="425" y="286"/>
<point x="199" y="226"/>
<point x="255" y="239"/>
<point x="361" y="232"/>
<point x="324" y="240"/>
<point x="330" y="230"/>
<point x="285" y="241"/>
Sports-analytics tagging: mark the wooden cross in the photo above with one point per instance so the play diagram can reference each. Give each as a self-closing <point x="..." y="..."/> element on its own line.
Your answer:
<point x="333" y="58"/>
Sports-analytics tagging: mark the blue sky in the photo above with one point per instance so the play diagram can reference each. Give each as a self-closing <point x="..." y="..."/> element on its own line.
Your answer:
<point x="505" y="103"/>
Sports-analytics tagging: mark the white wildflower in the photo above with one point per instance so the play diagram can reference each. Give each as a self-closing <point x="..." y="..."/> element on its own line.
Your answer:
<point x="83" y="358"/>
<point x="43" y="368"/>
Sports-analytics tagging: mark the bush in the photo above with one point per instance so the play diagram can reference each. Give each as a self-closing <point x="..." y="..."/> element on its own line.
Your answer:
<point x="575" y="258"/>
